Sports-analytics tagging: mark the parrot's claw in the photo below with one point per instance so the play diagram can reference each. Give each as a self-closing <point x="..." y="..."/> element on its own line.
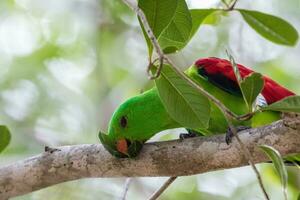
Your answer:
<point x="190" y="134"/>
<point x="183" y="136"/>
<point x="230" y="135"/>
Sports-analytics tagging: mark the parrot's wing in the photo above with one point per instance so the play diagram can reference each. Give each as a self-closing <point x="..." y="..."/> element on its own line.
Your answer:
<point x="221" y="81"/>
<point x="220" y="73"/>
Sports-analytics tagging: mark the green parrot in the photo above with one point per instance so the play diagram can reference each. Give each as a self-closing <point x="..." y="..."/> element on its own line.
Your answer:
<point x="139" y="118"/>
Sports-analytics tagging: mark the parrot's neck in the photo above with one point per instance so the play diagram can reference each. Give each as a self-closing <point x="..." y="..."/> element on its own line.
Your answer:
<point x="159" y="119"/>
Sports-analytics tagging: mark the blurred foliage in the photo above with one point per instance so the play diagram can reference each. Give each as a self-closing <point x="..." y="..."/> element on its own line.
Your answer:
<point x="66" y="64"/>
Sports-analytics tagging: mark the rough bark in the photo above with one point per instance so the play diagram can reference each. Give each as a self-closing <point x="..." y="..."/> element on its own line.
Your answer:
<point x="171" y="158"/>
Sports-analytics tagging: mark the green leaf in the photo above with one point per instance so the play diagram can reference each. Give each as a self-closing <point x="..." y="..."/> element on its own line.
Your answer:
<point x="159" y="14"/>
<point x="271" y="27"/>
<point x="251" y="86"/>
<point x="177" y="33"/>
<point x="288" y="104"/>
<point x="277" y="160"/>
<point x="215" y="18"/>
<point x="4" y="137"/>
<point x="198" y="17"/>
<point x="182" y="101"/>
<point x="170" y="21"/>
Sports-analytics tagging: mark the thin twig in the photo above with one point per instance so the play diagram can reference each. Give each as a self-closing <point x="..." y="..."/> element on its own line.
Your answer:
<point x="158" y="70"/>
<point x="231" y="6"/>
<point x="246" y="117"/>
<point x="126" y="188"/>
<point x="162" y="188"/>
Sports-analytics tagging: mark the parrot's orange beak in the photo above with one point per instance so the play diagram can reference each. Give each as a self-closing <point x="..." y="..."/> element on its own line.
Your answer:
<point x="122" y="146"/>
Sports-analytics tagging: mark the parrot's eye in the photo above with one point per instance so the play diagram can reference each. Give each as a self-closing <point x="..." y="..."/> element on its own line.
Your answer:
<point x="123" y="122"/>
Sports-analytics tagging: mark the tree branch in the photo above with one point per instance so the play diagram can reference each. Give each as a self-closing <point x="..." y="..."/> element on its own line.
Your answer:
<point x="171" y="158"/>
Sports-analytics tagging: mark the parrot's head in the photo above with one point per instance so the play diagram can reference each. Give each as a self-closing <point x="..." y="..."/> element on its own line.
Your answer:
<point x="133" y="123"/>
<point x="120" y="140"/>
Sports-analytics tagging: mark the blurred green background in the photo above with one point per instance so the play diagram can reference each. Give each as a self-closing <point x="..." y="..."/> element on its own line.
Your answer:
<point x="65" y="65"/>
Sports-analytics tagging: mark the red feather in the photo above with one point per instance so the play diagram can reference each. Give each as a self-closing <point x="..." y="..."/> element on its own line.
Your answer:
<point x="272" y="91"/>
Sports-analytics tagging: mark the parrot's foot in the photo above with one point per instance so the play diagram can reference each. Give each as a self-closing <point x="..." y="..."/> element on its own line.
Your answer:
<point x="190" y="134"/>
<point x="230" y="135"/>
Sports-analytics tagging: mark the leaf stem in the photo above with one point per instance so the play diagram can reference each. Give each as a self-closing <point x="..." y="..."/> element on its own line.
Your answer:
<point x="233" y="5"/>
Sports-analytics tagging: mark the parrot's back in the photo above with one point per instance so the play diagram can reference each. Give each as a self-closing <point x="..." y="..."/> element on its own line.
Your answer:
<point x="217" y="77"/>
